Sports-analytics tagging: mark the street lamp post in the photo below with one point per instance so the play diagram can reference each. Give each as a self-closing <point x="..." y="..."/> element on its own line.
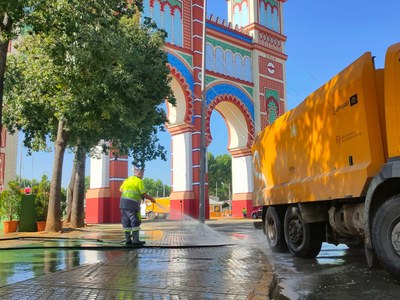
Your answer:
<point x="203" y="147"/>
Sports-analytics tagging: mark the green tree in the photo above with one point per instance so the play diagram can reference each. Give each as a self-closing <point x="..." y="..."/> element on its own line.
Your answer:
<point x="64" y="85"/>
<point x="41" y="192"/>
<point x="12" y="17"/>
<point x="24" y="182"/>
<point x="219" y="175"/>
<point x="135" y="45"/>
<point x="156" y="188"/>
<point x="10" y="201"/>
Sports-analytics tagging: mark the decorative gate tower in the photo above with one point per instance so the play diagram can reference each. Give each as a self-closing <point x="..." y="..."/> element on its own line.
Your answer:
<point x="245" y="83"/>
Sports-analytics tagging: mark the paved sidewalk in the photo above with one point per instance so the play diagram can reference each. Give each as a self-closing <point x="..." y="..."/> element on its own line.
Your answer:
<point x="222" y="259"/>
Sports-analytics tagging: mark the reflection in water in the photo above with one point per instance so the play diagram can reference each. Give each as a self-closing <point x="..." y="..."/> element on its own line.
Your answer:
<point x="332" y="255"/>
<point x="19" y="265"/>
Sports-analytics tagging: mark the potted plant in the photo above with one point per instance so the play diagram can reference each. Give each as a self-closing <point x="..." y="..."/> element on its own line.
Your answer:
<point x="41" y="193"/>
<point x="10" y="206"/>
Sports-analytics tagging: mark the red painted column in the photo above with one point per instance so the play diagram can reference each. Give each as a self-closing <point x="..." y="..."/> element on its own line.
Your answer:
<point x="102" y="203"/>
<point x="118" y="173"/>
<point x="97" y="205"/>
<point x="240" y="201"/>
<point x="197" y="46"/>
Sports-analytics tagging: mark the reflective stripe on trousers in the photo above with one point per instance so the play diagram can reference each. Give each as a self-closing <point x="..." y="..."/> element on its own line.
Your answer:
<point x="132" y="229"/>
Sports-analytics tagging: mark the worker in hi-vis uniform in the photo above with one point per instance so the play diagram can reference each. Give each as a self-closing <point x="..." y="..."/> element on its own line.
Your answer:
<point x="132" y="193"/>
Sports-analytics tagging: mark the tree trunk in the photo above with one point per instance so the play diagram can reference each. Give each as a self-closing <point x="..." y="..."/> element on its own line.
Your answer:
<point x="53" y="222"/>
<point x="82" y="190"/>
<point x="77" y="214"/>
<point x="3" y="59"/>
<point x="6" y="25"/>
<point x="70" y="193"/>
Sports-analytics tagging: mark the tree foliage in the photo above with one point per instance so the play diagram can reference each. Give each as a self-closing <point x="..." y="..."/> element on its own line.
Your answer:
<point x="87" y="74"/>
<point x="12" y="15"/>
<point x="10" y="201"/>
<point x="156" y="188"/>
<point x="42" y="194"/>
<point x="24" y="182"/>
<point x="219" y="175"/>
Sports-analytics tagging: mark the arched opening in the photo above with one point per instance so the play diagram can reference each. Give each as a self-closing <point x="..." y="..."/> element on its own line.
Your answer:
<point x="181" y="156"/>
<point x="177" y="113"/>
<point x="219" y="162"/>
<point x="159" y="169"/>
<point x="229" y="135"/>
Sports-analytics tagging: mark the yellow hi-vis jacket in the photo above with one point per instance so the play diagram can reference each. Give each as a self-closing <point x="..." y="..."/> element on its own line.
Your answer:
<point x="132" y="188"/>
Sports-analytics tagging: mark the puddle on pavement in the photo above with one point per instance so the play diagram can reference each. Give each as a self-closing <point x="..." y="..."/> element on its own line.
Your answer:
<point x="44" y="256"/>
<point x="19" y="265"/>
<point x="48" y="256"/>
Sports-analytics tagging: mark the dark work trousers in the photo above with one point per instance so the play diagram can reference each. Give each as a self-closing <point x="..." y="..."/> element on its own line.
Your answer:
<point x="131" y="218"/>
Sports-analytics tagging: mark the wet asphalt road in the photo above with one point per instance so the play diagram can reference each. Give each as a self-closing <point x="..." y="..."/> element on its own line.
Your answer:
<point x="337" y="273"/>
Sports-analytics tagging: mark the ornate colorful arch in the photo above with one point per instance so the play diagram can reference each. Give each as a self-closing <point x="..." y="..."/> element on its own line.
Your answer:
<point x="240" y="105"/>
<point x="173" y="4"/>
<point x="188" y="95"/>
<point x="184" y="77"/>
<point x="230" y="89"/>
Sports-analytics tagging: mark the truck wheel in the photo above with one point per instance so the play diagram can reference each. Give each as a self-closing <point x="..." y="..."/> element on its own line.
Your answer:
<point x="385" y="234"/>
<point x="273" y="229"/>
<point x="150" y="216"/>
<point x="303" y="239"/>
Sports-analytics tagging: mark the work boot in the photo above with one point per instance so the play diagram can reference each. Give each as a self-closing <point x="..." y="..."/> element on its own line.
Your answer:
<point x="135" y="237"/>
<point x="128" y="240"/>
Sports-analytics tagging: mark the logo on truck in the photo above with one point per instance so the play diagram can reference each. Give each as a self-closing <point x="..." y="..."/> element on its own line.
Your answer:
<point x="352" y="101"/>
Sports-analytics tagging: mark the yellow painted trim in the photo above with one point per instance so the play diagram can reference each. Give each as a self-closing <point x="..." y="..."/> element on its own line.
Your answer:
<point x="242" y="196"/>
<point x="98" y="193"/>
<point x="182" y="195"/>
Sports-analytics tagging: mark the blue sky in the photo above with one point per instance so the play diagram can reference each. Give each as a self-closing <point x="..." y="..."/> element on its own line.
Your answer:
<point x="323" y="37"/>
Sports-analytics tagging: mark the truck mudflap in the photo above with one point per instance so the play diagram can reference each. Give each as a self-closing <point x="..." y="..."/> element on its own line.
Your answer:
<point x="314" y="212"/>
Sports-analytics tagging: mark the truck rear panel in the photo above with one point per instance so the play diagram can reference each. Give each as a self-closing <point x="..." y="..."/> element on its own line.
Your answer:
<point x="392" y="100"/>
<point x="328" y="147"/>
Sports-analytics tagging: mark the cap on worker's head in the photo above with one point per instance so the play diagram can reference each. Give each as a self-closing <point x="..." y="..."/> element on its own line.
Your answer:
<point x="138" y="171"/>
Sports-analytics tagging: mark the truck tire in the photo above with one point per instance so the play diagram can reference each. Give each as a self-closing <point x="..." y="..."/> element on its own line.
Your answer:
<point x="303" y="239"/>
<point x="150" y="216"/>
<point x="273" y="229"/>
<point x="385" y="234"/>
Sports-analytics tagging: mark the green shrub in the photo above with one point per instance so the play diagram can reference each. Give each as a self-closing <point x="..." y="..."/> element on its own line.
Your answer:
<point x="10" y="201"/>
<point x="42" y="192"/>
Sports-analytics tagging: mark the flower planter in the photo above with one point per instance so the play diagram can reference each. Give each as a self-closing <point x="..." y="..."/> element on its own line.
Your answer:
<point x="10" y="226"/>
<point x="41" y="225"/>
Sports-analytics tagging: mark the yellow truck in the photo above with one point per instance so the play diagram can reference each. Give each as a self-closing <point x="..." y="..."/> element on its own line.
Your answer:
<point x="329" y="169"/>
<point x="160" y="210"/>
